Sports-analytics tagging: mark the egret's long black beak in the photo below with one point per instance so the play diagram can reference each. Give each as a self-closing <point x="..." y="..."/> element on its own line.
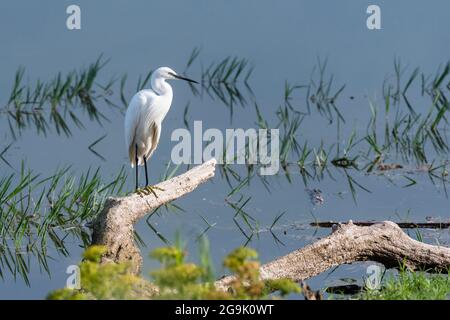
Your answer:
<point x="182" y="78"/>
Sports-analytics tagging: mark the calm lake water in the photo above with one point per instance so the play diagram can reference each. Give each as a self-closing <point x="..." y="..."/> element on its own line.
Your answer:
<point x="283" y="42"/>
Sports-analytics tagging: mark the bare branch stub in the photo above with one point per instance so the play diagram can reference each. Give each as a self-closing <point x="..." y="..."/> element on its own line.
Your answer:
<point x="114" y="226"/>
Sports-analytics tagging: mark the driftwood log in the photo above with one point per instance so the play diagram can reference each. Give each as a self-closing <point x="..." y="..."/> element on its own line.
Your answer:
<point x="114" y="226"/>
<point x="383" y="242"/>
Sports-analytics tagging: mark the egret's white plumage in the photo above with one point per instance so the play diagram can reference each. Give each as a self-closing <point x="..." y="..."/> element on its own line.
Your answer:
<point x="145" y="114"/>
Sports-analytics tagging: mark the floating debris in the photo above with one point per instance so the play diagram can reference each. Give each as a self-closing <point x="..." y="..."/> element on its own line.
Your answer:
<point x="389" y="166"/>
<point x="316" y="197"/>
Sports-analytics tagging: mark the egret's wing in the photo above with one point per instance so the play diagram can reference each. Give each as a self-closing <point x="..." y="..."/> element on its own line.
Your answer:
<point x="155" y="131"/>
<point x="139" y="104"/>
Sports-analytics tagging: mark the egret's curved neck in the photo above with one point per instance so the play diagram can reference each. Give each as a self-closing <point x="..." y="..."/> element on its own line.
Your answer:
<point x="161" y="87"/>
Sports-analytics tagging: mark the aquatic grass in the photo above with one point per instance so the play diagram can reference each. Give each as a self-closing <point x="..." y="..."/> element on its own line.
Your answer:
<point x="238" y="206"/>
<point x="143" y="82"/>
<point x="409" y="134"/>
<point x="238" y="188"/>
<point x="352" y="183"/>
<point x="93" y="144"/>
<point x="40" y="213"/>
<point x="53" y="102"/>
<point x="411" y="183"/>
<point x="305" y="153"/>
<point x="56" y="103"/>
<point x="320" y="94"/>
<point x="209" y="226"/>
<point x="394" y="91"/>
<point x="289" y="123"/>
<point x="3" y="153"/>
<point x="260" y="121"/>
<point x="185" y="114"/>
<point x="289" y="90"/>
<point x="272" y="226"/>
<point x="156" y="231"/>
<point x="223" y="80"/>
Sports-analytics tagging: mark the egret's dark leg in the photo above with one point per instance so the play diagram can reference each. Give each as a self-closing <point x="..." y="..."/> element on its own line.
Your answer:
<point x="136" y="164"/>
<point x="146" y="175"/>
<point x="148" y="189"/>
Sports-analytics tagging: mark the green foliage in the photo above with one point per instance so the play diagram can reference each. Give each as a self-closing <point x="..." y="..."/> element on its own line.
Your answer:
<point x="168" y="255"/>
<point x="107" y="281"/>
<point x="101" y="281"/>
<point x="94" y="253"/>
<point x="176" y="279"/>
<point x="180" y="280"/>
<point x="242" y="261"/>
<point x="411" y="286"/>
<point x="66" y="294"/>
<point x="284" y="286"/>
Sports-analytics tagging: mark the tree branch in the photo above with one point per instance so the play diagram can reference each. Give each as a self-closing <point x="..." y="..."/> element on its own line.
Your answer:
<point x="114" y="226"/>
<point x="384" y="242"/>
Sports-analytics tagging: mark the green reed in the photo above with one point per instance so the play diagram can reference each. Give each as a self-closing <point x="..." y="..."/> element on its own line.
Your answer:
<point x="54" y="103"/>
<point x="39" y="213"/>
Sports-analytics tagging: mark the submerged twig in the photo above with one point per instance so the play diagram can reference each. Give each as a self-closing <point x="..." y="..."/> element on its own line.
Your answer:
<point x="404" y="225"/>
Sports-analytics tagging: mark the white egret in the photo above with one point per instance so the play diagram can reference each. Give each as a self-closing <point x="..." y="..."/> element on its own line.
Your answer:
<point x="144" y="116"/>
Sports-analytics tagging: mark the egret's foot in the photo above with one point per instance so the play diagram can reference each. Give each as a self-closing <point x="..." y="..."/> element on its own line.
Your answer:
<point x="147" y="190"/>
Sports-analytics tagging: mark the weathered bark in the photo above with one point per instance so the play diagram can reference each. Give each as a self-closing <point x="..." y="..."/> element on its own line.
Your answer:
<point x="384" y="242"/>
<point x="114" y="227"/>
